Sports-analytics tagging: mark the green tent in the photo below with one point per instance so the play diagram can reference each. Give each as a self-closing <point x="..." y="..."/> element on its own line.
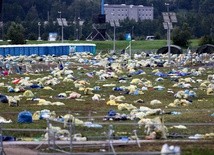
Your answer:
<point x="207" y="48"/>
<point x="173" y="50"/>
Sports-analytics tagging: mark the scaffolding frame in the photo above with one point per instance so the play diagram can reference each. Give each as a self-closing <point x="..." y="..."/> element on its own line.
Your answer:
<point x="95" y="29"/>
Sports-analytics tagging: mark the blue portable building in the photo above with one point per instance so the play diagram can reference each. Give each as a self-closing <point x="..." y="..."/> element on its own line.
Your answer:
<point x="46" y="49"/>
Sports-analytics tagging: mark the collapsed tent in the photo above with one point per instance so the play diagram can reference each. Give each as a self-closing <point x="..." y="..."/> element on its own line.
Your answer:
<point x="173" y="50"/>
<point x="3" y="98"/>
<point x="207" y="48"/>
<point x="25" y="117"/>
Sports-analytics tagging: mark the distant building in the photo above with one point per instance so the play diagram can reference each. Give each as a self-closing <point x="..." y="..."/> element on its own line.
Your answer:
<point x="123" y="11"/>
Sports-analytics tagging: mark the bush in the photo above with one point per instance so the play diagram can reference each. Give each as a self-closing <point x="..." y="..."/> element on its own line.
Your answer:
<point x="15" y="33"/>
<point x="181" y="36"/>
<point x="206" y="40"/>
<point x="32" y="36"/>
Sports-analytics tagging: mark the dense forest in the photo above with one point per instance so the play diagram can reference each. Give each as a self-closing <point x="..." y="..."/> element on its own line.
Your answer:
<point x="195" y="15"/>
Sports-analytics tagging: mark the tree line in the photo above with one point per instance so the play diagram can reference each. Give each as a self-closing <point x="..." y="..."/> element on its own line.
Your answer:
<point x="195" y="18"/>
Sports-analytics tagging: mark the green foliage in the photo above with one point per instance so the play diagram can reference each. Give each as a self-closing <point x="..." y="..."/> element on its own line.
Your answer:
<point x="197" y="14"/>
<point x="181" y="36"/>
<point x="32" y="14"/>
<point x="32" y="36"/>
<point x="157" y="35"/>
<point x="206" y="40"/>
<point x="16" y="34"/>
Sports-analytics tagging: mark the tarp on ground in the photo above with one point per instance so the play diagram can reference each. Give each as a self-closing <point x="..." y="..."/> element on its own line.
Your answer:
<point x="207" y="48"/>
<point x="173" y="50"/>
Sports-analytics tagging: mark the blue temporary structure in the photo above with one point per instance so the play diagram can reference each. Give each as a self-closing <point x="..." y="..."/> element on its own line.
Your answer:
<point x="46" y="49"/>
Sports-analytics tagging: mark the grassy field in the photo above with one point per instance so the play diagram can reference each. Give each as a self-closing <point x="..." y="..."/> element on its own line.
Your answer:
<point x="198" y="112"/>
<point x="108" y="45"/>
<point x="136" y="45"/>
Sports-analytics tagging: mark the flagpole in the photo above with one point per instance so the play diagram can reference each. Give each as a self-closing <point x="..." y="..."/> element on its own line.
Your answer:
<point x="130" y="48"/>
<point x="129" y="38"/>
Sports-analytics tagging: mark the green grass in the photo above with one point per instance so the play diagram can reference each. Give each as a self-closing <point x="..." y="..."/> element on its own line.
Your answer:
<point x="108" y="45"/>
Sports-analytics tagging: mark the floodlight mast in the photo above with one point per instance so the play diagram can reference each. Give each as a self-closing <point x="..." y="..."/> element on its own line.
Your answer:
<point x="114" y="33"/>
<point x="168" y="36"/>
<point x="114" y="36"/>
<point x="39" y="36"/>
<point x="62" y="32"/>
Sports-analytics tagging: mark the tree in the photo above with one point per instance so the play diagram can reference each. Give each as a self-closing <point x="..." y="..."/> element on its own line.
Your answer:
<point x="199" y="15"/>
<point x="32" y="14"/>
<point x="181" y="36"/>
<point x="16" y="33"/>
<point x="11" y="12"/>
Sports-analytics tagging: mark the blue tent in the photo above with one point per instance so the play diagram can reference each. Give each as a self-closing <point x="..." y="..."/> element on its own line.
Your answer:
<point x="25" y="117"/>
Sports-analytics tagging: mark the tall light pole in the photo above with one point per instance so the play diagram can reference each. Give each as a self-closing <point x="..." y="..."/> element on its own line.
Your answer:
<point x="169" y="18"/>
<point x="62" y="33"/>
<point x="132" y="34"/>
<point x="114" y="37"/>
<point x="168" y="36"/>
<point x="114" y="40"/>
<point x="80" y="24"/>
<point x="78" y="29"/>
<point x="39" y="37"/>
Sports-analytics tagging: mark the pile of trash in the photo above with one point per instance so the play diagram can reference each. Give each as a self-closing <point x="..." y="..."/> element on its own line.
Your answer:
<point x="113" y="81"/>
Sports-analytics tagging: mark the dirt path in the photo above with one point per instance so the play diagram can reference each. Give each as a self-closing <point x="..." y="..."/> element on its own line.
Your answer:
<point x="19" y="151"/>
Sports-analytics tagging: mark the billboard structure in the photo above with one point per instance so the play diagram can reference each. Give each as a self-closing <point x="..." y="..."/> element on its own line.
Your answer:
<point x="52" y="36"/>
<point x="63" y="23"/>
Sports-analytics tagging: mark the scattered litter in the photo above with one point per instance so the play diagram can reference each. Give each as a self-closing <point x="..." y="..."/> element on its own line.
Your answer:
<point x="79" y="137"/>
<point x="197" y="136"/>
<point x="154" y="102"/>
<point x="57" y="133"/>
<point x="175" y="113"/>
<point x="3" y="120"/>
<point x="179" y="127"/>
<point x="139" y="101"/>
<point x="154" y="128"/>
<point x="167" y="150"/>
<point x="92" y="125"/>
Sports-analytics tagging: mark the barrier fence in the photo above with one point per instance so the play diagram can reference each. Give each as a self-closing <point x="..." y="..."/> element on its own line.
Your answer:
<point x="106" y="143"/>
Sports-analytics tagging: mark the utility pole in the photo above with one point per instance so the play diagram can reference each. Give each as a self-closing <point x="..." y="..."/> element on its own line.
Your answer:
<point x="62" y="33"/>
<point x="39" y="37"/>
<point x="168" y="37"/>
<point x="169" y="18"/>
<point x="114" y="25"/>
<point x="114" y="37"/>
<point x="132" y="32"/>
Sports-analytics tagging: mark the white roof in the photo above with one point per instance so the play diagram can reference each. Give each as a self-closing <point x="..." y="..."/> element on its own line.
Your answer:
<point x="45" y="45"/>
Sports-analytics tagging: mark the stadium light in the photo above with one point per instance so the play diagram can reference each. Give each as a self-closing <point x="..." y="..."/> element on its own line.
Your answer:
<point x="169" y="18"/>
<point x="39" y="37"/>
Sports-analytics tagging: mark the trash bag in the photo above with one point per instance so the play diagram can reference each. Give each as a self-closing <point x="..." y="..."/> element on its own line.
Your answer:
<point x="111" y="113"/>
<point x="8" y="138"/>
<point x="117" y="89"/>
<point x="3" y="98"/>
<point x="160" y="74"/>
<point x="25" y="117"/>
